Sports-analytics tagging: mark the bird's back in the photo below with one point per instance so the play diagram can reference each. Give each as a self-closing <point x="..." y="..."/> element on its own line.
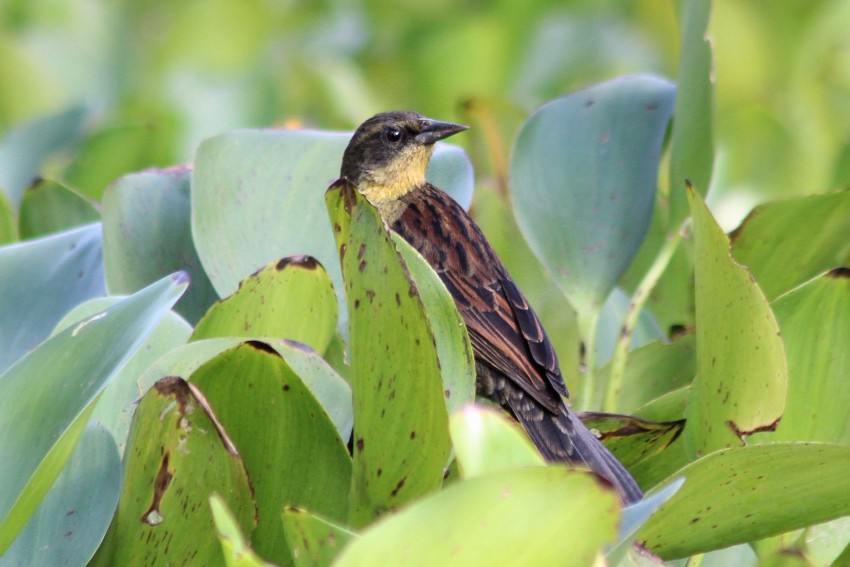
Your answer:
<point x="516" y="364"/>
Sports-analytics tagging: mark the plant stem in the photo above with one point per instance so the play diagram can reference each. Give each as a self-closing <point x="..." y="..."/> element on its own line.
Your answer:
<point x="587" y="324"/>
<point x="641" y="294"/>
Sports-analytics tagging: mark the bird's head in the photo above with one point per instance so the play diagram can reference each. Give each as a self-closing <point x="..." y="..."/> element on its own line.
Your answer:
<point x="389" y="153"/>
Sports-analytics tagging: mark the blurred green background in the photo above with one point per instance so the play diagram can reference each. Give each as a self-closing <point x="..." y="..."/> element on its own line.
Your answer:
<point x="157" y="77"/>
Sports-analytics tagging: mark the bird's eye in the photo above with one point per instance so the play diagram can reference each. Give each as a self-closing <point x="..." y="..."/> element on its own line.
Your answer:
<point x="392" y="135"/>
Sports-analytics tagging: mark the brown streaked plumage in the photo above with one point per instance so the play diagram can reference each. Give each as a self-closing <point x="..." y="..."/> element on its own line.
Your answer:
<point x="516" y="364"/>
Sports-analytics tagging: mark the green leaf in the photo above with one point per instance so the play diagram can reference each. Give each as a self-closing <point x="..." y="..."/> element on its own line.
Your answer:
<point x="746" y="493"/>
<point x="117" y="403"/>
<point x="631" y="439"/>
<point x="785" y="243"/>
<point x="75" y="513"/>
<point x="655" y="369"/>
<point x="314" y="541"/>
<point x="486" y="442"/>
<point x="692" y="137"/>
<point x="49" y="394"/>
<point x="147" y="233"/>
<point x="23" y="149"/>
<point x="331" y="390"/>
<point x="292" y="298"/>
<point x="49" y="207"/>
<point x="178" y="455"/>
<point x="237" y="551"/>
<point x="110" y="153"/>
<point x="257" y="197"/>
<point x="40" y="281"/>
<point x="401" y="438"/>
<point x="818" y="389"/>
<point x="253" y="391"/>
<point x="457" y="360"/>
<point x="741" y="369"/>
<point x="531" y="516"/>
<point x="597" y="150"/>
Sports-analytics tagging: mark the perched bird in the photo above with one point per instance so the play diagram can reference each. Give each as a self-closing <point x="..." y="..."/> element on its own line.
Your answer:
<point x="515" y="363"/>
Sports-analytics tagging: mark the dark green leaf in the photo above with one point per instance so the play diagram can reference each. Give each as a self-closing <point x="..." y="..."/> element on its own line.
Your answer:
<point x="290" y="448"/>
<point x="401" y="438"/>
<point x="291" y="298"/>
<point x="177" y="456"/>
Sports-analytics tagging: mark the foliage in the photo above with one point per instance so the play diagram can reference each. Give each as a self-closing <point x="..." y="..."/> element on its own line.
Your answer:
<point x="306" y="400"/>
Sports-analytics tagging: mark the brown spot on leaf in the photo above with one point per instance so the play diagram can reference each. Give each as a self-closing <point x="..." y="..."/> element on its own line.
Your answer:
<point x="160" y="484"/>
<point x="361" y="266"/>
<point x="174" y="386"/>
<point x="360" y="444"/>
<point x="370" y="293"/>
<point x="261" y="346"/>
<point x="398" y="486"/>
<point x="361" y="251"/>
<point x="302" y="261"/>
<point x="742" y="434"/>
<point x="840" y="272"/>
<point x="413" y="435"/>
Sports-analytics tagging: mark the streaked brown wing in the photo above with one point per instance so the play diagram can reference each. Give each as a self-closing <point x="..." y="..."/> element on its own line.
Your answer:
<point x="503" y="328"/>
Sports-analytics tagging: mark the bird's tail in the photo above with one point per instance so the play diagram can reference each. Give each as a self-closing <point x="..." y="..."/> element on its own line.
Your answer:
<point x="562" y="437"/>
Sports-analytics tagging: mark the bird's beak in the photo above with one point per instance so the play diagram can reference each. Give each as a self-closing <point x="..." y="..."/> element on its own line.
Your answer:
<point x="433" y="131"/>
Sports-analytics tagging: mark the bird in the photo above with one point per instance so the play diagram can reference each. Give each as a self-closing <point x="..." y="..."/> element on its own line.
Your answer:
<point x="515" y="363"/>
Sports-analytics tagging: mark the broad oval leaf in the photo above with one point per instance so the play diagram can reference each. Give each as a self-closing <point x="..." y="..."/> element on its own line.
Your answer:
<point x="818" y="388"/>
<point x="784" y="243"/>
<point x="48" y="395"/>
<point x="147" y="233"/>
<point x="49" y="207"/>
<point x="741" y="369"/>
<point x="257" y="197"/>
<point x="329" y="388"/>
<point x="41" y="280"/>
<point x="583" y="178"/>
<point x="178" y="455"/>
<point x="747" y="493"/>
<point x="401" y="438"/>
<point x="253" y="391"/>
<point x="292" y="298"/>
<point x="530" y="516"/>
<point x="69" y="524"/>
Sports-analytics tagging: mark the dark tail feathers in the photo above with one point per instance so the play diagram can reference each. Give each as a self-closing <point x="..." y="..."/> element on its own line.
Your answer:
<point x="563" y="437"/>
